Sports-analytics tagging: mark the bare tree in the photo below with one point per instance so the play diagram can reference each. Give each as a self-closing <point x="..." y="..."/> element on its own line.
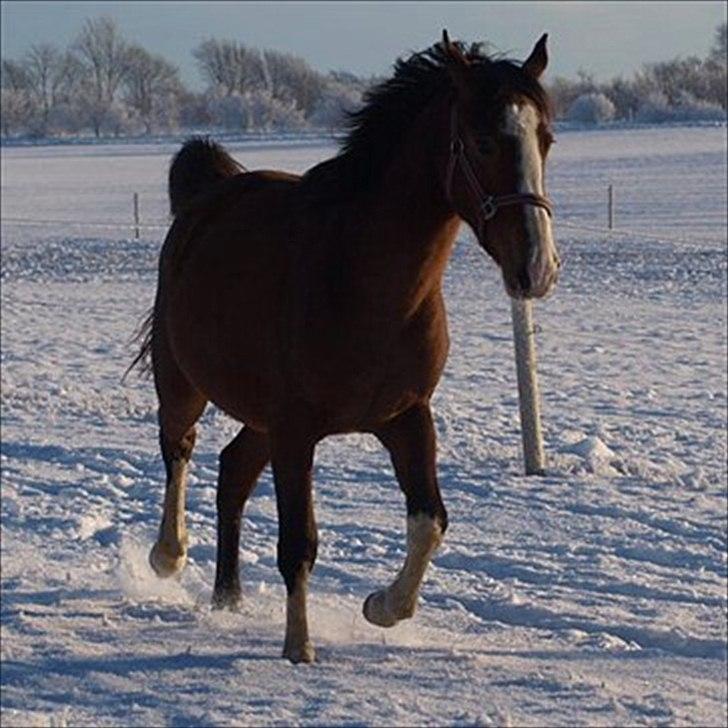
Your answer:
<point x="151" y="85"/>
<point x="229" y="66"/>
<point x="51" y="76"/>
<point x="17" y="105"/>
<point x="290" y="78"/>
<point x="719" y="50"/>
<point x="103" y="54"/>
<point x="14" y="76"/>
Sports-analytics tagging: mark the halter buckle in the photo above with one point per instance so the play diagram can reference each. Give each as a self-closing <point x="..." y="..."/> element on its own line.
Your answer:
<point x="488" y="207"/>
<point x="457" y="147"/>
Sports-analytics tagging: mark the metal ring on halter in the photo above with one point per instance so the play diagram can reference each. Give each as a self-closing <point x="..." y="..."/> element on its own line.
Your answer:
<point x="488" y="207"/>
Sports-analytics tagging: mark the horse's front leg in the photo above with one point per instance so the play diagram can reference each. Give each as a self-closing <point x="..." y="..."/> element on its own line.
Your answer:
<point x="410" y="439"/>
<point x="292" y="461"/>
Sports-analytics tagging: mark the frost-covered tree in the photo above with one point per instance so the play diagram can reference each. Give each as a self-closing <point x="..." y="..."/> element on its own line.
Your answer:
<point x="194" y="112"/>
<point x="337" y="100"/>
<point x="53" y="76"/>
<point x="17" y="111"/>
<point x="254" y="110"/>
<point x="151" y="89"/>
<point x="719" y="50"/>
<point x="103" y="55"/>
<point x="591" y="108"/>
<point x="268" y="113"/>
<point x="229" y="66"/>
<point x="17" y="104"/>
<point x="657" y="109"/>
<point x="227" y="110"/>
<point x="565" y="91"/>
<point x="290" y="78"/>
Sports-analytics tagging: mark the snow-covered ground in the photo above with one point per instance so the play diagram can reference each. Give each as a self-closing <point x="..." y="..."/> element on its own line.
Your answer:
<point x="595" y="595"/>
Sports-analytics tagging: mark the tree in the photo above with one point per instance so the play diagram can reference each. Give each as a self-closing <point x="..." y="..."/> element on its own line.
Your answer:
<point x="17" y="105"/>
<point x="52" y="75"/>
<point x="592" y="108"/>
<point x="229" y="66"/>
<point x="103" y="54"/>
<point x="719" y="50"/>
<point x="625" y="96"/>
<point x="151" y="86"/>
<point x="342" y="95"/>
<point x="564" y="91"/>
<point x="290" y="78"/>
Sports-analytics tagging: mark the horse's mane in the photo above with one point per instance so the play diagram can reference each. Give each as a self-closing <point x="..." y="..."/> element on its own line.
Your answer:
<point x="376" y="131"/>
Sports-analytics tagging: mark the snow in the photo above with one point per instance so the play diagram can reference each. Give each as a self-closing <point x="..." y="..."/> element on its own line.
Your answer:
<point x="595" y="595"/>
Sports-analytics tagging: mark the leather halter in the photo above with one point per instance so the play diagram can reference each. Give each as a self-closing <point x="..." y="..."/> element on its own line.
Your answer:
<point x="488" y="205"/>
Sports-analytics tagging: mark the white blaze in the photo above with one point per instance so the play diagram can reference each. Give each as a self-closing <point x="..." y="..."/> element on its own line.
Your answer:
<point x="521" y="122"/>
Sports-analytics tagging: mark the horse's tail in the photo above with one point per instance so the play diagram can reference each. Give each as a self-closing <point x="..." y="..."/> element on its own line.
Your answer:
<point x="143" y="360"/>
<point x="198" y="165"/>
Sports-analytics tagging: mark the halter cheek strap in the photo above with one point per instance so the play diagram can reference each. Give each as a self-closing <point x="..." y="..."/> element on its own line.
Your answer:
<point x="488" y="205"/>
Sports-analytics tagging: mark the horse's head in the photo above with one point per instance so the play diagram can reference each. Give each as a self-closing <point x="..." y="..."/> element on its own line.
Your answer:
<point x="499" y="140"/>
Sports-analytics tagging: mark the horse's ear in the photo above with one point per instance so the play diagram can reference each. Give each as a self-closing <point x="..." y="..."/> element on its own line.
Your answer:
<point x="457" y="64"/>
<point x="535" y="64"/>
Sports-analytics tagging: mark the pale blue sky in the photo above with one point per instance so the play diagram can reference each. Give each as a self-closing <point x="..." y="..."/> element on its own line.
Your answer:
<point x="606" y="38"/>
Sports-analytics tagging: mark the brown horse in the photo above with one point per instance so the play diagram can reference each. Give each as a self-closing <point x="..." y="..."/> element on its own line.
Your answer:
<point x="309" y="306"/>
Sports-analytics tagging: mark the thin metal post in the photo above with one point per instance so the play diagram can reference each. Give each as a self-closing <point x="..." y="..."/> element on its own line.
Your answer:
<point x="136" y="215"/>
<point x="528" y="396"/>
<point x="610" y="196"/>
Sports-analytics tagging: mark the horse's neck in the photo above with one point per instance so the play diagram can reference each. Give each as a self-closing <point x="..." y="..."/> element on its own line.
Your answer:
<point x="411" y="228"/>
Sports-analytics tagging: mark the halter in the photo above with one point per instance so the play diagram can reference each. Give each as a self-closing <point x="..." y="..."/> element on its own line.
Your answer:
<point x="488" y="205"/>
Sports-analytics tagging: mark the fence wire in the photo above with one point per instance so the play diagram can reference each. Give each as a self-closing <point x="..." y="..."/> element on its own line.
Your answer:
<point x="160" y="225"/>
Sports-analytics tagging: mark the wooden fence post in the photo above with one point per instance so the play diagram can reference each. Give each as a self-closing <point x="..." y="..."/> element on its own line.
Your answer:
<point x="528" y="396"/>
<point x="610" y="206"/>
<point x="136" y="215"/>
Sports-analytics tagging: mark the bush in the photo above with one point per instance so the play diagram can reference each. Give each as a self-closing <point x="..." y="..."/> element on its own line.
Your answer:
<point x="255" y="110"/>
<point x="591" y="108"/>
<point x="268" y="113"/>
<point x="657" y="109"/>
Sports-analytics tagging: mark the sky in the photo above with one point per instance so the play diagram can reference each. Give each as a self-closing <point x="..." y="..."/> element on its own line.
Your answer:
<point x="604" y="38"/>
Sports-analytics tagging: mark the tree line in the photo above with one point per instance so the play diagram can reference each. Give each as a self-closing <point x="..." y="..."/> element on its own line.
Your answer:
<point x="681" y="89"/>
<point x="105" y="85"/>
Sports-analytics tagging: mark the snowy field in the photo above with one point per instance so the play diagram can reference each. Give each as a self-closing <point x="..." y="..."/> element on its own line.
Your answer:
<point x="595" y="595"/>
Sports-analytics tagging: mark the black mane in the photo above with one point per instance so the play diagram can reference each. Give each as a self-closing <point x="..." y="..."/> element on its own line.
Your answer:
<point x="375" y="132"/>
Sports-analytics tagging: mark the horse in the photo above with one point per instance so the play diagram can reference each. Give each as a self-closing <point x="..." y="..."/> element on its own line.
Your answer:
<point x="306" y="306"/>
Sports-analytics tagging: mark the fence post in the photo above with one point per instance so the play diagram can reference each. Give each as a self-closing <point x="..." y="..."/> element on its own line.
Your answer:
<point x="610" y="205"/>
<point x="136" y="215"/>
<point x="528" y="397"/>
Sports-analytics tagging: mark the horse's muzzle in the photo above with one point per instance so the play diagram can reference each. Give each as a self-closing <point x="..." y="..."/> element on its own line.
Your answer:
<point x="534" y="281"/>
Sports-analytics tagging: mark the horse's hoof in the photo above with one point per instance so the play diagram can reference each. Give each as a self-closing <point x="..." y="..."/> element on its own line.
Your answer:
<point x="300" y="653"/>
<point x="230" y="599"/>
<point x="378" y="612"/>
<point x="165" y="564"/>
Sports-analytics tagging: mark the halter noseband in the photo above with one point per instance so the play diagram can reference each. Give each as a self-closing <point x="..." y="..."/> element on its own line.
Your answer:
<point x="488" y="205"/>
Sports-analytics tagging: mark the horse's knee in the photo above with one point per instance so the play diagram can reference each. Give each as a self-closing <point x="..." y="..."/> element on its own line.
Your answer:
<point x="296" y="554"/>
<point x="176" y="445"/>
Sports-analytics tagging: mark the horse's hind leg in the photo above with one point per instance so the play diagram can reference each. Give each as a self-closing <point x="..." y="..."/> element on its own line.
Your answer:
<point x="241" y="462"/>
<point x="410" y="439"/>
<point x="180" y="406"/>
